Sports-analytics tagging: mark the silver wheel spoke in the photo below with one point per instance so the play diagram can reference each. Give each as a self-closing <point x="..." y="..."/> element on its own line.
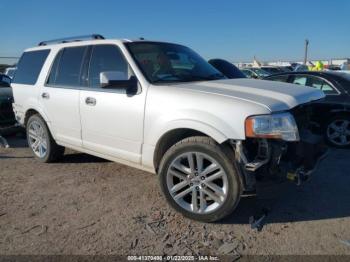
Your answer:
<point x="214" y="176"/>
<point x="182" y="168"/>
<point x="210" y="169"/>
<point x="178" y="186"/>
<point x="215" y="188"/>
<point x="32" y="134"/>
<point x="194" y="200"/>
<point x="202" y="201"/>
<point x="41" y="150"/>
<point x="178" y="174"/>
<point x="44" y="145"/>
<point x="213" y="196"/>
<point x="199" y="159"/>
<point x="183" y="193"/>
<point x="191" y="162"/>
<point x="35" y="145"/>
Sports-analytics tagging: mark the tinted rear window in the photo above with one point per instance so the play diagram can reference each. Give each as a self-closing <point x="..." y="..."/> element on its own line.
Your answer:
<point x="66" y="69"/>
<point x="29" y="67"/>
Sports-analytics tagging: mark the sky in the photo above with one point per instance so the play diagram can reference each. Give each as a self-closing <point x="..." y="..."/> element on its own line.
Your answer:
<point x="233" y="30"/>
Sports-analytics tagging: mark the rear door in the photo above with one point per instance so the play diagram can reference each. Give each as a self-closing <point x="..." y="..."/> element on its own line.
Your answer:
<point x="112" y="120"/>
<point x="60" y="95"/>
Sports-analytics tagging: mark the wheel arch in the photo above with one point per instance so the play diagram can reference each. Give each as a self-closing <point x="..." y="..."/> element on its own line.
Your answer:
<point x="32" y="111"/>
<point x="171" y="136"/>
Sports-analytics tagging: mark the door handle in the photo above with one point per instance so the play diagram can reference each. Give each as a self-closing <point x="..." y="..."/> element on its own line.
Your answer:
<point x="90" y="101"/>
<point x="45" y="95"/>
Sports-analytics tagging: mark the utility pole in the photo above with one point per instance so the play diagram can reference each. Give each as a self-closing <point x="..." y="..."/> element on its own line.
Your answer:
<point x="306" y="49"/>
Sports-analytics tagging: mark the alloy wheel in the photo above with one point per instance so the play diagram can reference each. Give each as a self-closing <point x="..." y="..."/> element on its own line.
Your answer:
<point x="197" y="182"/>
<point x="37" y="138"/>
<point x="338" y="132"/>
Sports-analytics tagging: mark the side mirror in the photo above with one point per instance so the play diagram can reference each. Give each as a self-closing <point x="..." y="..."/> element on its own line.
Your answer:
<point x="117" y="79"/>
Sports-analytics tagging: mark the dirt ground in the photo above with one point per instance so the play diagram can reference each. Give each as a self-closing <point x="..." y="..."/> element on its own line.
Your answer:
<point x="87" y="205"/>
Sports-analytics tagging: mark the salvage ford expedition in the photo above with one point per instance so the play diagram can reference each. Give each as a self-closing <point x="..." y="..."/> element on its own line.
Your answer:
<point x="162" y="108"/>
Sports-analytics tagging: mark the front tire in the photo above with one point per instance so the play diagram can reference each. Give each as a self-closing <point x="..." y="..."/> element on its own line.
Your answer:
<point x="199" y="179"/>
<point x="40" y="141"/>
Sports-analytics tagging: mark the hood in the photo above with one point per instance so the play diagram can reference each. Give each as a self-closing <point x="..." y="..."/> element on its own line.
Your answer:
<point x="276" y="96"/>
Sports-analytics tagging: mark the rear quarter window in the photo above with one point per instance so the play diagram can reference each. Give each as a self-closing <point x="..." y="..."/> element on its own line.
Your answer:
<point x="29" y="67"/>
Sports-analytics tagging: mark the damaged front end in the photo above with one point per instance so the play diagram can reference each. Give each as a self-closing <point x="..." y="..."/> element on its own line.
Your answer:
<point x="268" y="156"/>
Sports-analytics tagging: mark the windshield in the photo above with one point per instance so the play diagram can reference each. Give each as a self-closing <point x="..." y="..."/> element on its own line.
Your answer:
<point x="171" y="63"/>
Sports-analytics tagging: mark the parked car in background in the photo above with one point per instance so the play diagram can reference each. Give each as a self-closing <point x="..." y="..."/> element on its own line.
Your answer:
<point x="272" y="69"/>
<point x="286" y="68"/>
<point x="5" y="80"/>
<point x="162" y="108"/>
<point x="255" y="72"/>
<point x="226" y="68"/>
<point x="333" y="113"/>
<point x="333" y="67"/>
<point x="7" y="116"/>
<point x="301" y="68"/>
<point x="10" y="71"/>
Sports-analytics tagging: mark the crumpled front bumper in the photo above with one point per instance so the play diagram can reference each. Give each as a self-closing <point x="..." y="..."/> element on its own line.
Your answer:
<point x="295" y="161"/>
<point x="303" y="158"/>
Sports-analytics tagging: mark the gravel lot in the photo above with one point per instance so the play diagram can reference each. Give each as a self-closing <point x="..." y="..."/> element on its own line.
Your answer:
<point x="87" y="205"/>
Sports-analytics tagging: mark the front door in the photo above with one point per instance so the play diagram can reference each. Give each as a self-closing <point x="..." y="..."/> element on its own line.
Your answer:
<point x="112" y="120"/>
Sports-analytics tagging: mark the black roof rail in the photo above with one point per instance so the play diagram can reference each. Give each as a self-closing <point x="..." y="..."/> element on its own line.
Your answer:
<point x="71" y="39"/>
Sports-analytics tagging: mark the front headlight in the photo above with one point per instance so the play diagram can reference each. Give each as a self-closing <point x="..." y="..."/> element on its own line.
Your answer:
<point x="278" y="126"/>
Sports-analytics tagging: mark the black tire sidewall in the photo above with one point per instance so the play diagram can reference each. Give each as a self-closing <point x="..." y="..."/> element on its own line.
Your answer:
<point x="47" y="135"/>
<point x="234" y="187"/>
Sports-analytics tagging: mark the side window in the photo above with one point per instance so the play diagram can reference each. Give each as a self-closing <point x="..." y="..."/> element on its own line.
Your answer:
<point x="106" y="58"/>
<point x="321" y="84"/>
<point x="279" y="78"/>
<point x="54" y="69"/>
<point x="300" y="80"/>
<point x="66" y="69"/>
<point x="29" y="67"/>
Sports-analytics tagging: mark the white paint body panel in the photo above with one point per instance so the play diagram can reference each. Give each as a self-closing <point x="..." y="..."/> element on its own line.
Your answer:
<point x="126" y="128"/>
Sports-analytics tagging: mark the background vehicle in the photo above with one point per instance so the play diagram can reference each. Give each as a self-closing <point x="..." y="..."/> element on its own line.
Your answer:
<point x="272" y="69"/>
<point x="10" y="71"/>
<point x="5" y="80"/>
<point x="162" y="108"/>
<point x="226" y="68"/>
<point x="255" y="72"/>
<point x="7" y="116"/>
<point x="333" y="113"/>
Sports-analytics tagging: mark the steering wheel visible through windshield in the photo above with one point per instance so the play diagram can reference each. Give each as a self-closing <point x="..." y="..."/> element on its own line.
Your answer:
<point x="171" y="63"/>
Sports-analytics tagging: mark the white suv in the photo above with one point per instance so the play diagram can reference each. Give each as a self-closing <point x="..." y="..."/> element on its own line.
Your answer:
<point x="162" y="108"/>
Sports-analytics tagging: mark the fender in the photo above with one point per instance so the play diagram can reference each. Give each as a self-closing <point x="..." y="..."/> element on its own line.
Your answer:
<point x="198" y="120"/>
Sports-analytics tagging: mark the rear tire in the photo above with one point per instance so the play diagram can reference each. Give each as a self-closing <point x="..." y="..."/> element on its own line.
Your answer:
<point x="199" y="179"/>
<point x="41" y="142"/>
